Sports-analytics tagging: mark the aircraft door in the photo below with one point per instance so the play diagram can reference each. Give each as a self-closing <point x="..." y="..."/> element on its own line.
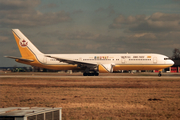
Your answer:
<point x="80" y="59"/>
<point x="155" y="60"/>
<point x="123" y="60"/>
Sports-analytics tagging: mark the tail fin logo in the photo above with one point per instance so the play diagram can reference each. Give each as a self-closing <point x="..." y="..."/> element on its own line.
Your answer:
<point x="23" y="43"/>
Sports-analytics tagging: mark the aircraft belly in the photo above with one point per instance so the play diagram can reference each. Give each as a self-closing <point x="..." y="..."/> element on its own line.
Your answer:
<point x="139" y="67"/>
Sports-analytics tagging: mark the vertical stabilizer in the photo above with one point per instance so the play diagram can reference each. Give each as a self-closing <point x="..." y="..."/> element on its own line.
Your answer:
<point x="26" y="48"/>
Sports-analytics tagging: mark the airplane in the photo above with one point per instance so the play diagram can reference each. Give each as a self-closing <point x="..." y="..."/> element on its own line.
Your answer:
<point x="89" y="64"/>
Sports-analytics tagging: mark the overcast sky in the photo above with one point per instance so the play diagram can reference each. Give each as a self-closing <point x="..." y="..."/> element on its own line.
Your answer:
<point x="90" y="26"/>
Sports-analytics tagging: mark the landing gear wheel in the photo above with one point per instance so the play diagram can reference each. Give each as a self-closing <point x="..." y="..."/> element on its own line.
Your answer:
<point x="85" y="74"/>
<point x="159" y="74"/>
<point x="91" y="74"/>
<point x="96" y="74"/>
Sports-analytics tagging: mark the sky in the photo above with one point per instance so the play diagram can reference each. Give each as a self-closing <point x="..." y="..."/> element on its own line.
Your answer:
<point x="90" y="26"/>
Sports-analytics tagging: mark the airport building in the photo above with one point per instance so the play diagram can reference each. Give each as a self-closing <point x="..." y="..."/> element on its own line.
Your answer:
<point x="176" y="67"/>
<point x="30" y="113"/>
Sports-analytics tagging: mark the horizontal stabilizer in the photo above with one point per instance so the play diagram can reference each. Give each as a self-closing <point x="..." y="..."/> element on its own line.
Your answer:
<point x="26" y="60"/>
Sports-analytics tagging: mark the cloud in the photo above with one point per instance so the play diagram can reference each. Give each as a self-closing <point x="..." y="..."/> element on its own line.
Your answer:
<point x="109" y="10"/>
<point x="5" y="36"/>
<point x="92" y="42"/>
<point x="79" y="42"/>
<point x="49" y="6"/>
<point x="4" y="39"/>
<point x="77" y="12"/>
<point x="17" y="4"/>
<point x="22" y="13"/>
<point x="158" y="32"/>
<point x="78" y="35"/>
<point x="157" y="22"/>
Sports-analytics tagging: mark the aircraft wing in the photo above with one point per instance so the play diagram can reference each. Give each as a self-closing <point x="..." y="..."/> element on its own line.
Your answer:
<point x="70" y="61"/>
<point x="26" y="60"/>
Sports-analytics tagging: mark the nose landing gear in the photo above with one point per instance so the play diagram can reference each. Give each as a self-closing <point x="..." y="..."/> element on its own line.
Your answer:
<point x="159" y="74"/>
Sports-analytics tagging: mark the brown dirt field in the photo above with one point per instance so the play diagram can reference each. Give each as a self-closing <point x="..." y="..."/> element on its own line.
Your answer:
<point x="96" y="98"/>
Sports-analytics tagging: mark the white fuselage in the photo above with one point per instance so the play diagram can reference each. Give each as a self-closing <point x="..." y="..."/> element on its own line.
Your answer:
<point x="116" y="59"/>
<point x="119" y="61"/>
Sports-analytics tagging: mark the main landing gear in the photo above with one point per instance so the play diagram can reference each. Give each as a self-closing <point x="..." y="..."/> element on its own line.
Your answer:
<point x="91" y="73"/>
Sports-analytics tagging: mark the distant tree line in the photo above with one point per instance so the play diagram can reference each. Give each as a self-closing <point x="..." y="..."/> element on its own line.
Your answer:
<point x="176" y="54"/>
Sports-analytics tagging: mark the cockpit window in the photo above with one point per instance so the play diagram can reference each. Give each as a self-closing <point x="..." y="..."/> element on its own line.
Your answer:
<point x="167" y="59"/>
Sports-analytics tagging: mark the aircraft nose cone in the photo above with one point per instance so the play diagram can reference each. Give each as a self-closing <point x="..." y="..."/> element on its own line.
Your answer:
<point x="171" y="62"/>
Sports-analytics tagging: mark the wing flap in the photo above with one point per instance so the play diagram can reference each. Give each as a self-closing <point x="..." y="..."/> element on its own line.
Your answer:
<point x="22" y="59"/>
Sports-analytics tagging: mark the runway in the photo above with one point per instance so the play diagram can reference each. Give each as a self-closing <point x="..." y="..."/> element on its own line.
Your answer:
<point x="102" y="76"/>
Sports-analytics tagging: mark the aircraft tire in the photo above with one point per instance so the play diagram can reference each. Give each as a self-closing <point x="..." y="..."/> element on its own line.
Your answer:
<point x="85" y="74"/>
<point x="90" y="74"/>
<point x="159" y="75"/>
<point x="96" y="74"/>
